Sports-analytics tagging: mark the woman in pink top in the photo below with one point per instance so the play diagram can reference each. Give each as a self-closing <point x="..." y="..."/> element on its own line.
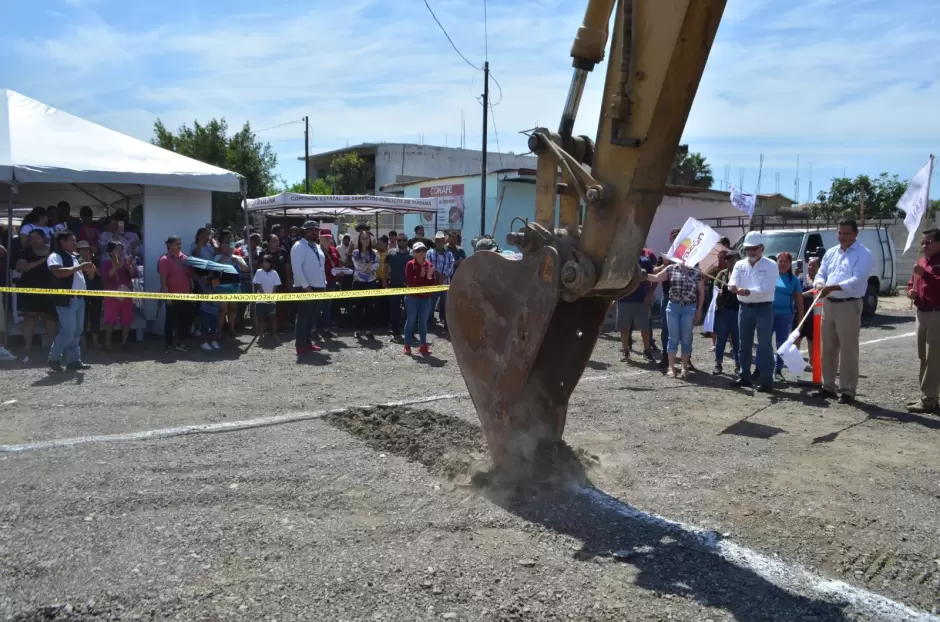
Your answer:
<point x="118" y="270"/>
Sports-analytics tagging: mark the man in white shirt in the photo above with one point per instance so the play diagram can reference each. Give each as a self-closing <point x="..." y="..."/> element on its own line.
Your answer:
<point x="68" y="272"/>
<point x="842" y="281"/>
<point x="308" y="264"/>
<point x="753" y="281"/>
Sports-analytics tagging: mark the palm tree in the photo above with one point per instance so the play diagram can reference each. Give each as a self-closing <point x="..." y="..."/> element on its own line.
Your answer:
<point x="690" y="169"/>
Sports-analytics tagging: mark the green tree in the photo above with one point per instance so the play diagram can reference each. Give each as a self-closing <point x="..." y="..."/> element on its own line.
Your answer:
<point x="317" y="186"/>
<point x="690" y="169"/>
<point x="350" y="174"/>
<point x="241" y="153"/>
<point x="842" y="200"/>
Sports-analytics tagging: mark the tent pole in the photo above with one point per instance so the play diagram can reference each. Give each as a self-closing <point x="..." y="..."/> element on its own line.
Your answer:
<point x="251" y="268"/>
<point x="10" y="259"/>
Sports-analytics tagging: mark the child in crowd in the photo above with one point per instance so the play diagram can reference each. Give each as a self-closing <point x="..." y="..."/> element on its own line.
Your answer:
<point x="267" y="279"/>
<point x="209" y="314"/>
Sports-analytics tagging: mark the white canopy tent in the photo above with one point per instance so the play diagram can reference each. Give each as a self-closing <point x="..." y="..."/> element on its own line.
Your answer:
<point x="333" y="205"/>
<point x="47" y="156"/>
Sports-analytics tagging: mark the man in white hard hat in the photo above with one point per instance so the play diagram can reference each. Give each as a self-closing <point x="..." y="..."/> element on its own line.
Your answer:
<point x="753" y="281"/>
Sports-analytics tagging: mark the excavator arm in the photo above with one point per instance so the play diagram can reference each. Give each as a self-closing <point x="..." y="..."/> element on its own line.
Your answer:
<point x="523" y="331"/>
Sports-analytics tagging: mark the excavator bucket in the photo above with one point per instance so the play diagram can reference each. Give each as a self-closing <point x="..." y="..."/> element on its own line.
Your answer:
<point x="523" y="330"/>
<point x="520" y="348"/>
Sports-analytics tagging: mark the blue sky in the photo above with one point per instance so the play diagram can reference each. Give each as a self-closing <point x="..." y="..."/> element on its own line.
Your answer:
<point x="849" y="86"/>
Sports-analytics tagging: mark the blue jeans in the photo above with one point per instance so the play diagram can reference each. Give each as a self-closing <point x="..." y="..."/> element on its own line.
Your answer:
<point x="326" y="310"/>
<point x="394" y="310"/>
<point x="306" y="318"/>
<point x="68" y="341"/>
<point x="680" y="318"/>
<point x="726" y="325"/>
<point x="783" y="326"/>
<point x="759" y="319"/>
<point x="209" y="325"/>
<point x="442" y="297"/>
<point x="417" y="311"/>
<point x="663" y="324"/>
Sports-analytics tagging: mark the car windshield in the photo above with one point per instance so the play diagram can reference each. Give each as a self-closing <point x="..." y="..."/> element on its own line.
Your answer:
<point x="776" y="243"/>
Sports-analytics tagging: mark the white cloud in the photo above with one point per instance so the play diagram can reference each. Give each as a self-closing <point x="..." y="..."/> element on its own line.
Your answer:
<point x="822" y="77"/>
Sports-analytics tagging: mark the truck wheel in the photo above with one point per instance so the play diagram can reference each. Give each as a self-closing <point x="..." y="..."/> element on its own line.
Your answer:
<point x="870" y="301"/>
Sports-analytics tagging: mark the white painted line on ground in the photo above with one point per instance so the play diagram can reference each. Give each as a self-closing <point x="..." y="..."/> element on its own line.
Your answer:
<point x="244" y="424"/>
<point x="868" y="343"/>
<point x="205" y="428"/>
<point x="791" y="578"/>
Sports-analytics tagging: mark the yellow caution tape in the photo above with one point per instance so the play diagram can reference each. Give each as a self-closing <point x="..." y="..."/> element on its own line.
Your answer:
<point x="287" y="297"/>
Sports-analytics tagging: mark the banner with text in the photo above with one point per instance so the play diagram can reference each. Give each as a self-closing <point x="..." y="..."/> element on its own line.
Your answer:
<point x="694" y="242"/>
<point x="450" y="205"/>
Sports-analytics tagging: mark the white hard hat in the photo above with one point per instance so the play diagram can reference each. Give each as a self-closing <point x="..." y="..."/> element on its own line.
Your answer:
<point x="752" y="239"/>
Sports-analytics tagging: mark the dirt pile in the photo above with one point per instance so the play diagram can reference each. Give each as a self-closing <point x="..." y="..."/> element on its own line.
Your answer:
<point x="447" y="446"/>
<point x="455" y="449"/>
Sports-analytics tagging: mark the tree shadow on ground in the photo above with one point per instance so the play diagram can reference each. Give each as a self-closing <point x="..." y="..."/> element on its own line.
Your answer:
<point x="874" y="412"/>
<point x="886" y="322"/>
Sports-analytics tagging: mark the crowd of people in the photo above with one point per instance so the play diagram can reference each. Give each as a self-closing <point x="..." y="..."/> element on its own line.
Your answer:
<point x="54" y="250"/>
<point x="751" y="299"/>
<point x="758" y="297"/>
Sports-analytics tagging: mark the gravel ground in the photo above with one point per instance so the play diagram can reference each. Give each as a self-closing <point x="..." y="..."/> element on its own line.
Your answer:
<point x="374" y="513"/>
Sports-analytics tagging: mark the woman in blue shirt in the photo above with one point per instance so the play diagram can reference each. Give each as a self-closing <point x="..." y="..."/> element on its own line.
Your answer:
<point x="788" y="297"/>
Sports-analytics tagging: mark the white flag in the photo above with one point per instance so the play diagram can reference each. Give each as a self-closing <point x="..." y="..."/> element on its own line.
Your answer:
<point x="694" y="242"/>
<point x="791" y="355"/>
<point x="743" y="202"/>
<point x="708" y="325"/>
<point x="914" y="201"/>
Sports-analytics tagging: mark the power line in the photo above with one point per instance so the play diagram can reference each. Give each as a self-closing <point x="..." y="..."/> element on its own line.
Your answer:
<point x="274" y="127"/>
<point x="496" y="136"/>
<point x="452" y="44"/>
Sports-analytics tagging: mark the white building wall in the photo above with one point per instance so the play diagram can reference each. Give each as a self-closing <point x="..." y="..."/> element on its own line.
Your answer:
<point x="169" y="211"/>
<point x="394" y="160"/>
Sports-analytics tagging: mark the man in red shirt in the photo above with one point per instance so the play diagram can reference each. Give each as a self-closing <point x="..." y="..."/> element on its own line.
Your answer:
<point x="175" y="278"/>
<point x="924" y="291"/>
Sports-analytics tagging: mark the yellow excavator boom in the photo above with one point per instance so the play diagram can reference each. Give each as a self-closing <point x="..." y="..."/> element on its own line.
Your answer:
<point x="523" y="331"/>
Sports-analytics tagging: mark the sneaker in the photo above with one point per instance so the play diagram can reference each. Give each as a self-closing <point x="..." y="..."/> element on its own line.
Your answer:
<point x="370" y="335"/>
<point x="778" y="376"/>
<point x="6" y="355"/>
<point x="182" y="348"/>
<point x="625" y="356"/>
<point x="649" y="356"/>
<point x="215" y="345"/>
<point x="168" y="351"/>
<point x="56" y="367"/>
<point x="425" y="350"/>
<point x="740" y="384"/>
<point x="315" y="348"/>
<point x="205" y="347"/>
<point x="717" y="371"/>
<point x="408" y="350"/>
<point x="78" y="366"/>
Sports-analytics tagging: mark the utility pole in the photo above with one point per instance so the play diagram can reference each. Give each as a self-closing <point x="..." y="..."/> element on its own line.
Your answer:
<point x="486" y="113"/>
<point x="306" y="155"/>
